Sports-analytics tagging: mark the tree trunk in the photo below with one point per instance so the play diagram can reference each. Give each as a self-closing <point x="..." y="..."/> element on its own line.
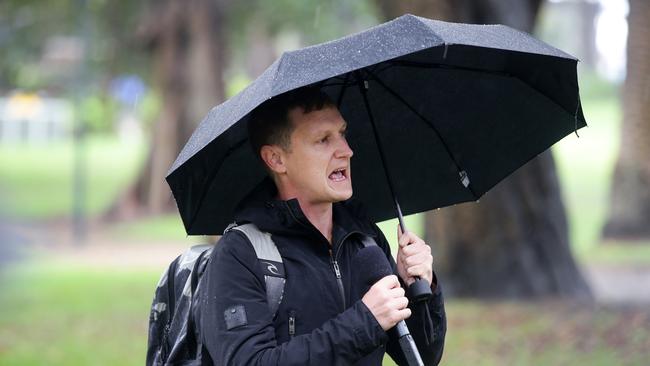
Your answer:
<point x="514" y="243"/>
<point x="629" y="215"/>
<point x="188" y="49"/>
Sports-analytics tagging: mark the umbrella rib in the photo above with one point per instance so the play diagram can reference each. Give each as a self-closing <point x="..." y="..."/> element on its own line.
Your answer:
<point x="386" y="66"/>
<point x="425" y="65"/>
<point x="340" y="98"/>
<point x="433" y="127"/>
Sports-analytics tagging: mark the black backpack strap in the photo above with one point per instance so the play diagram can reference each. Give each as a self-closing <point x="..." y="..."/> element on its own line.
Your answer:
<point x="270" y="261"/>
<point x="367" y="241"/>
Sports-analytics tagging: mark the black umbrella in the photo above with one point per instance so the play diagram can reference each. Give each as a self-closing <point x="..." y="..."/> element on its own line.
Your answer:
<point x="438" y="113"/>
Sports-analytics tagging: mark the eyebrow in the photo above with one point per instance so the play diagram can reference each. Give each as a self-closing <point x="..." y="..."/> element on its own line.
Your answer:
<point x="321" y="131"/>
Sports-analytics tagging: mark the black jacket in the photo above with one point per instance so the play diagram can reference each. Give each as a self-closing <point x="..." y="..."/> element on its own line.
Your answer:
<point x="330" y="329"/>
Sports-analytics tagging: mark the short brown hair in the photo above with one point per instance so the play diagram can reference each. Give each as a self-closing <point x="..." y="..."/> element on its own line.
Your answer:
<point x="269" y="123"/>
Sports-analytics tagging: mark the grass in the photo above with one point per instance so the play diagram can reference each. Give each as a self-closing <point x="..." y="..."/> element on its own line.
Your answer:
<point x="163" y="228"/>
<point x="612" y="253"/>
<point x="546" y="333"/>
<point x="70" y="315"/>
<point x="55" y="314"/>
<point x="39" y="180"/>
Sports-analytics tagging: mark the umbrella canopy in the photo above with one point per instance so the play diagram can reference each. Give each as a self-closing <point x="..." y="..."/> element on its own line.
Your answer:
<point x="456" y="108"/>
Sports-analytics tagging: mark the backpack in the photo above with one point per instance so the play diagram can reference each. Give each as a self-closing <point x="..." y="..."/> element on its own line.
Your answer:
<point x="173" y="321"/>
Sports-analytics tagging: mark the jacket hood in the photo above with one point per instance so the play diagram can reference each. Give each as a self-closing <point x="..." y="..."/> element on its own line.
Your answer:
<point x="262" y="208"/>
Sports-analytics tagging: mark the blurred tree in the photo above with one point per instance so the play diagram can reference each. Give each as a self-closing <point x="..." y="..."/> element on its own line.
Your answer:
<point x="514" y="243"/>
<point x="188" y="47"/>
<point x="629" y="215"/>
<point x="44" y="49"/>
<point x="30" y="31"/>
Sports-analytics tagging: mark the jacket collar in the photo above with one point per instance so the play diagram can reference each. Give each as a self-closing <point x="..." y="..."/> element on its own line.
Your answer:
<point x="286" y="217"/>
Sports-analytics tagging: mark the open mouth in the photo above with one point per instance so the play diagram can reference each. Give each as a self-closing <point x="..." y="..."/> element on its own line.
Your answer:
<point x="338" y="175"/>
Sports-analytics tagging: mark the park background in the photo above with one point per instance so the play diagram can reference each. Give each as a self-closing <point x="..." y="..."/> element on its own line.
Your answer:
<point x="97" y="97"/>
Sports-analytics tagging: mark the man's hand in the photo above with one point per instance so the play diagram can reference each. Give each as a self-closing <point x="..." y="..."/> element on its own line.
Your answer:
<point x="413" y="258"/>
<point x="386" y="302"/>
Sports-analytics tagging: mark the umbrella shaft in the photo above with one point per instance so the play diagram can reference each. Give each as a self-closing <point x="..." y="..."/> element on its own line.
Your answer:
<point x="400" y="218"/>
<point x="363" y="86"/>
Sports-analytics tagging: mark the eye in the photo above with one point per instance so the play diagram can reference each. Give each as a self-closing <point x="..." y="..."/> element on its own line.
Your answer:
<point x="324" y="139"/>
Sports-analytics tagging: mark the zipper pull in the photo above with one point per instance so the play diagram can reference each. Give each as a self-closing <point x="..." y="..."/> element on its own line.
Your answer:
<point x="292" y="324"/>
<point x="336" y="269"/>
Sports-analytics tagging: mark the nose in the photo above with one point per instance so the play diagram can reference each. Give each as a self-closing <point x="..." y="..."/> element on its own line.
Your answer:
<point x="343" y="150"/>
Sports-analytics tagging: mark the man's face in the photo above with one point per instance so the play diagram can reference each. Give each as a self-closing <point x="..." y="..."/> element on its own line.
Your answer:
<point x="318" y="161"/>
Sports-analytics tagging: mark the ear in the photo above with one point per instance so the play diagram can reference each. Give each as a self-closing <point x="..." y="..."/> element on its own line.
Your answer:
<point x="273" y="157"/>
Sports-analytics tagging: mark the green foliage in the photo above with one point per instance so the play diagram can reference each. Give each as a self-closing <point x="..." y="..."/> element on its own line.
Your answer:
<point x="316" y="21"/>
<point x="149" y="108"/>
<point x="236" y="84"/>
<point x="98" y="113"/>
<point x="104" y="32"/>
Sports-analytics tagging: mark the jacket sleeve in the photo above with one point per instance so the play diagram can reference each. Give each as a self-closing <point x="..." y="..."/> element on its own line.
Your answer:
<point x="235" y="285"/>
<point x="427" y="323"/>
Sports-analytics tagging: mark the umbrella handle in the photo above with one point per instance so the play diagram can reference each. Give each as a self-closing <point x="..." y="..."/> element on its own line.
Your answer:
<point x="419" y="290"/>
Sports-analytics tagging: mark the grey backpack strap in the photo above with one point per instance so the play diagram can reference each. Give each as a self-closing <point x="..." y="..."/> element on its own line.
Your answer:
<point x="271" y="262"/>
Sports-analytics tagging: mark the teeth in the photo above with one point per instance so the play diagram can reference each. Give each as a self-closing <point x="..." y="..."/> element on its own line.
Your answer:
<point x="337" y="175"/>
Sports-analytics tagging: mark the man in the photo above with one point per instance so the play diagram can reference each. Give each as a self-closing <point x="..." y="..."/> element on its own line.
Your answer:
<point x="307" y="208"/>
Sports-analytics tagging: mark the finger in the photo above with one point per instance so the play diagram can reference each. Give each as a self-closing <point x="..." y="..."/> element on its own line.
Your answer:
<point x="421" y="271"/>
<point x="409" y="239"/>
<point x="389" y="282"/>
<point x="400" y="303"/>
<point x="403" y="239"/>
<point x="414" y="248"/>
<point x="404" y="313"/>
<point x="409" y="280"/>
<point x="397" y="292"/>
<point x="416" y="259"/>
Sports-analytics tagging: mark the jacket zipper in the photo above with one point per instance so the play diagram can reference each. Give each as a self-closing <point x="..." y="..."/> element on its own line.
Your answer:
<point x="333" y="258"/>
<point x="335" y="265"/>
<point x="337" y="272"/>
<point x="292" y="323"/>
<point x="338" y="247"/>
